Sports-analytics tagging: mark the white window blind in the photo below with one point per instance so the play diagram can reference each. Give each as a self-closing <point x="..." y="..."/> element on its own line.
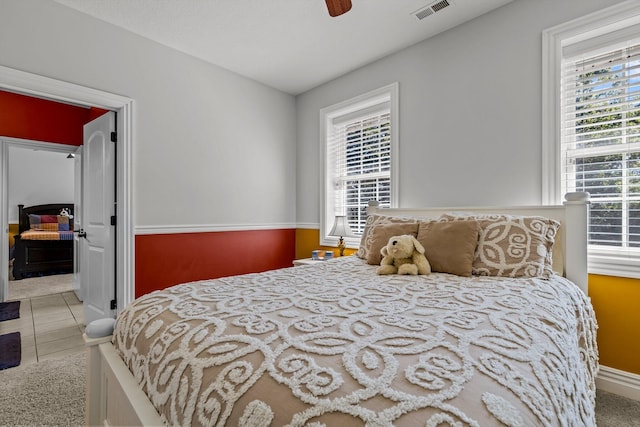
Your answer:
<point x="359" y="150"/>
<point x="600" y="143"/>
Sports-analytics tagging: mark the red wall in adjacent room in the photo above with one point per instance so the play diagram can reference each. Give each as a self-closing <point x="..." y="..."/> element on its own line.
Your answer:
<point x="39" y="119"/>
<point x="164" y="260"/>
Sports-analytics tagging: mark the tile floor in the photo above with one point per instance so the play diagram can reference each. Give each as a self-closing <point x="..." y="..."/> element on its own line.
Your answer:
<point x="50" y="326"/>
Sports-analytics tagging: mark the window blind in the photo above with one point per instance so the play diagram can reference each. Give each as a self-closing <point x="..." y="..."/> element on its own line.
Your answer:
<point x="600" y="142"/>
<point x="359" y="152"/>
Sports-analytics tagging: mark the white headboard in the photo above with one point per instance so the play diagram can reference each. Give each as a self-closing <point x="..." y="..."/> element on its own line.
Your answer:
<point x="570" y="249"/>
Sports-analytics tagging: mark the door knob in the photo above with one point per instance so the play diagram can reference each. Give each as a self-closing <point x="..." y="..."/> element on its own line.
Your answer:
<point x="82" y="233"/>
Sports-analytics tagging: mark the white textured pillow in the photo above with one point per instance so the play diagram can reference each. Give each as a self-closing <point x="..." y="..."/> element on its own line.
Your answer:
<point x="512" y="246"/>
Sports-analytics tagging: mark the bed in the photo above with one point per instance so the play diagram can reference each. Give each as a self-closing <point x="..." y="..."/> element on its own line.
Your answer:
<point x="509" y="339"/>
<point x="44" y="244"/>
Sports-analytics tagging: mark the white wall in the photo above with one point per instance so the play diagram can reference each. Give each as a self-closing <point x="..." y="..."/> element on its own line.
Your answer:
<point x="210" y="147"/>
<point x="37" y="178"/>
<point x="470" y="110"/>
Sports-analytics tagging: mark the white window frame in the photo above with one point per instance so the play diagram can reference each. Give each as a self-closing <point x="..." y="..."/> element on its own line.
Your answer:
<point x="597" y="29"/>
<point x="327" y="114"/>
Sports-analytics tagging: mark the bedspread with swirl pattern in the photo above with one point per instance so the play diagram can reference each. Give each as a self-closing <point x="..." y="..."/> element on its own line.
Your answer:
<point x="334" y="344"/>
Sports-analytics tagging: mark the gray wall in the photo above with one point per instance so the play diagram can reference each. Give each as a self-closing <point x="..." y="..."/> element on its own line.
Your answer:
<point x="210" y="147"/>
<point x="38" y="177"/>
<point x="470" y="110"/>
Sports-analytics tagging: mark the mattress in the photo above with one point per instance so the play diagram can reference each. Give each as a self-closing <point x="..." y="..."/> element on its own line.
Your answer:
<point x="46" y="235"/>
<point x="334" y="344"/>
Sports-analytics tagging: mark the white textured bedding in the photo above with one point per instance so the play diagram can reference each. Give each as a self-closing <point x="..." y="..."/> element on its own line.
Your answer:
<point x="334" y="344"/>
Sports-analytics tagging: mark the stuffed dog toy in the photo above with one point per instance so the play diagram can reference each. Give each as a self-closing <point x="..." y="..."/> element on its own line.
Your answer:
<point x="403" y="255"/>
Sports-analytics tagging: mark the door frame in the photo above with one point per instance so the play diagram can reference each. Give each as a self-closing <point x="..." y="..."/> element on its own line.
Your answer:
<point x="57" y="90"/>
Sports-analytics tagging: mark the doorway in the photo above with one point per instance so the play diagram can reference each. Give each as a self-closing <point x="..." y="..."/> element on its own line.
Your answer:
<point x="56" y="90"/>
<point x="39" y="173"/>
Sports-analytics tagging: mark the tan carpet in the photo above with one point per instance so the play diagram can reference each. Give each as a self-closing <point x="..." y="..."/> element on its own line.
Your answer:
<point x="616" y="411"/>
<point x="39" y="286"/>
<point x="47" y="393"/>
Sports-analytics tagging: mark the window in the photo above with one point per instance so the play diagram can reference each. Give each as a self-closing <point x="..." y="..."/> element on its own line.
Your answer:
<point x="591" y="129"/>
<point x="359" y="151"/>
<point x="600" y="142"/>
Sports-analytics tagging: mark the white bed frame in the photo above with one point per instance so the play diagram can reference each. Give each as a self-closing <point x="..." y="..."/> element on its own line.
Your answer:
<point x="114" y="397"/>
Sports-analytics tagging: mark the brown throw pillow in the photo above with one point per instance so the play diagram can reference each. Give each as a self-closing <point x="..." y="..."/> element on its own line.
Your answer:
<point x="449" y="246"/>
<point x="374" y="221"/>
<point x="380" y="235"/>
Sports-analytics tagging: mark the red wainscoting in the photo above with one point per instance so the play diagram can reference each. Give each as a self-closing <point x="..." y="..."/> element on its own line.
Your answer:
<point x="163" y="260"/>
<point x="39" y="119"/>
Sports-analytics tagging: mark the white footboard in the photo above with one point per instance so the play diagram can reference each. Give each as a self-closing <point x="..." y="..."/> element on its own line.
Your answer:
<point x="113" y="397"/>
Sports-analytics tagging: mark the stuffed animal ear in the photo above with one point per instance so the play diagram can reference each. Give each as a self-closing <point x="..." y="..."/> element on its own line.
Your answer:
<point x="418" y="245"/>
<point x="383" y="251"/>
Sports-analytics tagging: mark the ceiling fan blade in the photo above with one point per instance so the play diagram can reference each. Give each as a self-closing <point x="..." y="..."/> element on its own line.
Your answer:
<point x="338" y="7"/>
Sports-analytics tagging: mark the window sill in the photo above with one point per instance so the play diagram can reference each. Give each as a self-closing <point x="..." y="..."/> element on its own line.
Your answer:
<point x="350" y="242"/>
<point x="614" y="263"/>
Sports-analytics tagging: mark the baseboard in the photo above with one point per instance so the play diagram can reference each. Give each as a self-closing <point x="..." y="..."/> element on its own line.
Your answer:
<point x="619" y="382"/>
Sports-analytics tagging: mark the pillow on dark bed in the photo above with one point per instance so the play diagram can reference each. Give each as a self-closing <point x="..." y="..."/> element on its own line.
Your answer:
<point x="50" y="222"/>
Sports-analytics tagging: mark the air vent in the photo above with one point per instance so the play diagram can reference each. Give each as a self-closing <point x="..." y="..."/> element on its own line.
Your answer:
<point x="431" y="9"/>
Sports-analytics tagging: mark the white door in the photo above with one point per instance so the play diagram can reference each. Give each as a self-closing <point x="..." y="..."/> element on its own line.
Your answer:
<point x="98" y="209"/>
<point x="78" y="243"/>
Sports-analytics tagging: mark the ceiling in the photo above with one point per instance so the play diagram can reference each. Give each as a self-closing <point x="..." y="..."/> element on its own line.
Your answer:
<point x="291" y="45"/>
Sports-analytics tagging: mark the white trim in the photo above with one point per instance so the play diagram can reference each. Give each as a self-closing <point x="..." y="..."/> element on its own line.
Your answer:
<point x="57" y="90"/>
<point x="310" y="225"/>
<point x="395" y="143"/>
<point x="107" y="374"/>
<point x="550" y="118"/>
<point x="614" y="262"/>
<point x="326" y="114"/>
<point x="39" y="145"/>
<point x="4" y="219"/>
<point x="619" y="382"/>
<point x="206" y="228"/>
<point x="5" y="144"/>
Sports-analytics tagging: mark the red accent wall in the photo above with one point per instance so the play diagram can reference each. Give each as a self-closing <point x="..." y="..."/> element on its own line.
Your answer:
<point x="94" y="113"/>
<point x="39" y="119"/>
<point x="163" y="260"/>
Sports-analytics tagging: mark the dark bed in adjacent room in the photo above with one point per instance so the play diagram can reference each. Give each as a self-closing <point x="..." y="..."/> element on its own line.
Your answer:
<point x="44" y="244"/>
